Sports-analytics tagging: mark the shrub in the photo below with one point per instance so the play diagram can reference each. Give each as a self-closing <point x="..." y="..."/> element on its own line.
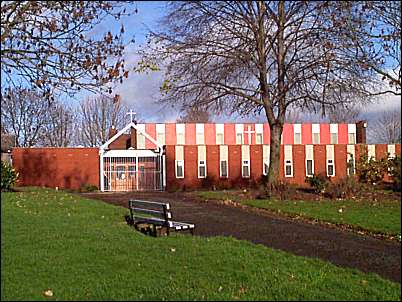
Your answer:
<point x="371" y="171"/>
<point x="8" y="176"/>
<point x="394" y="165"/>
<point x="319" y="182"/>
<point x="208" y="183"/>
<point x="343" y="188"/>
<point x="89" y="188"/>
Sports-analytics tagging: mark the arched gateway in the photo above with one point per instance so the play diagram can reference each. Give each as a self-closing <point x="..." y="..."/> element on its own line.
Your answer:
<point x="124" y="167"/>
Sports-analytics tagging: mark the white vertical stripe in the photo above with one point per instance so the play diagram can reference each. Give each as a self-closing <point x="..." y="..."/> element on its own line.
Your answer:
<point x="315" y="128"/>
<point x="199" y="134"/>
<point x="351" y="150"/>
<point x="297" y="128"/>
<point x="223" y="152"/>
<point x="265" y="152"/>
<point x="160" y="128"/>
<point x="220" y="128"/>
<point x="288" y="152"/>
<point x="245" y="152"/>
<point x="239" y="128"/>
<point x="309" y="152"/>
<point x="259" y="128"/>
<point x="202" y="153"/>
<point x="351" y="128"/>
<point x="330" y="151"/>
<point x="371" y="151"/>
<point x="180" y="134"/>
<point x="179" y="153"/>
<point x="391" y="150"/>
<point x="140" y="142"/>
<point x="333" y="128"/>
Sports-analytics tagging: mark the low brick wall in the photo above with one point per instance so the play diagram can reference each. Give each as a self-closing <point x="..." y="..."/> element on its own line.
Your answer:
<point x="66" y="168"/>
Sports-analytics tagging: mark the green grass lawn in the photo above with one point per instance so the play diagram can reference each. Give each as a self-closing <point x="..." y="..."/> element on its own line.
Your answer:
<point x="82" y="249"/>
<point x="373" y="216"/>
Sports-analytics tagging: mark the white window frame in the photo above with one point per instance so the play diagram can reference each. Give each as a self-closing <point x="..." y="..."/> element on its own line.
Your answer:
<point x="265" y="162"/>
<point x="175" y="167"/>
<point x="354" y="138"/>
<point x="294" y="138"/>
<point x="204" y="164"/>
<point x="347" y="165"/>
<point x="333" y="167"/>
<point x="259" y="134"/>
<point x="220" y="169"/>
<point x="223" y="138"/>
<point x="312" y="168"/>
<point x="336" y="138"/>
<point x="244" y="164"/>
<point x="242" y="138"/>
<point x="289" y="162"/>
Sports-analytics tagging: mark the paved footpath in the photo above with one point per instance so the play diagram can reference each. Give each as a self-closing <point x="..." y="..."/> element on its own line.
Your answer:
<point x="340" y="247"/>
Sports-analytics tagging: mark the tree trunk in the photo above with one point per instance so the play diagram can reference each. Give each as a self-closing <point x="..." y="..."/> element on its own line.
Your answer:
<point x="274" y="153"/>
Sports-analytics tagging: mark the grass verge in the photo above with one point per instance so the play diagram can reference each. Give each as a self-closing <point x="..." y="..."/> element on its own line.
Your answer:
<point x="82" y="249"/>
<point x="370" y="215"/>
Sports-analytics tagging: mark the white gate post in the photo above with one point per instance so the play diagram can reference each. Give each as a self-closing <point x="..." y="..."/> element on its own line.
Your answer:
<point x="102" y="178"/>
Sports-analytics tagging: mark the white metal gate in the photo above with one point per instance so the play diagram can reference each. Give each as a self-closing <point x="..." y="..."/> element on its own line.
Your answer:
<point x="132" y="173"/>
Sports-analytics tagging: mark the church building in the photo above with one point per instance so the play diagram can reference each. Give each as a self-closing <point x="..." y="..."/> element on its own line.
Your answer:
<point x="171" y="156"/>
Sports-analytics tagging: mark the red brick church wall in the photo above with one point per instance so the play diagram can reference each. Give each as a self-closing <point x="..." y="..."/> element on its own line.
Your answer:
<point x="69" y="168"/>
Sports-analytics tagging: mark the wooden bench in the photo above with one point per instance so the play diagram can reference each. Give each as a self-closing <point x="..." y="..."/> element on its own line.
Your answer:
<point x="157" y="214"/>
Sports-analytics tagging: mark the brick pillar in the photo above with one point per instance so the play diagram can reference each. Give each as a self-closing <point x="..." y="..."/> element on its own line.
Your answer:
<point x="112" y="131"/>
<point x="361" y="127"/>
<point x="133" y="138"/>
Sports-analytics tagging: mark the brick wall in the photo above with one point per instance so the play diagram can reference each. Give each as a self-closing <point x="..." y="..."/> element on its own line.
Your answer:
<point x="68" y="168"/>
<point x="235" y="178"/>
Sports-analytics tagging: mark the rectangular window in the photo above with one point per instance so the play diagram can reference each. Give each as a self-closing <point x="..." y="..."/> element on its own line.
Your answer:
<point x="316" y="138"/>
<point x="239" y="139"/>
<point x="288" y="168"/>
<point x="202" y="173"/>
<point x="266" y="167"/>
<point x="330" y="168"/>
<point x="224" y="169"/>
<point x="351" y="138"/>
<point x="131" y="171"/>
<point x="309" y="167"/>
<point x="297" y="138"/>
<point x="258" y="138"/>
<point x="351" y="166"/>
<point x="246" y="169"/>
<point x="179" y="168"/>
<point x="334" y="138"/>
<point x="219" y="138"/>
<point x="121" y="172"/>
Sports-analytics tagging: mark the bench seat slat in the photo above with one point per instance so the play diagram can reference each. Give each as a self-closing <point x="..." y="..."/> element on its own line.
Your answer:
<point x="146" y="203"/>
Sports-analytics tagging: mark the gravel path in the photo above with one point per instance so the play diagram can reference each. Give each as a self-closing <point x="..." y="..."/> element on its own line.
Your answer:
<point x="340" y="247"/>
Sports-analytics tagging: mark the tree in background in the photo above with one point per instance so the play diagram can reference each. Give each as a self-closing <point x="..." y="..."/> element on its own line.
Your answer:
<point x="194" y="115"/>
<point x="24" y="113"/>
<point x="254" y="56"/>
<point x="49" y="44"/>
<point x="96" y="116"/>
<point x="59" y="130"/>
<point x="387" y="128"/>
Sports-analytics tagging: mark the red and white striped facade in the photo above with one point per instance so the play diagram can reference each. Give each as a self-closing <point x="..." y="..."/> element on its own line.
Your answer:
<point x="243" y="134"/>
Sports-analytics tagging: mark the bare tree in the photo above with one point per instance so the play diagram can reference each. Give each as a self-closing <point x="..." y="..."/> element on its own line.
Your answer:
<point x="97" y="115"/>
<point x="24" y="114"/>
<point x="387" y="128"/>
<point x="345" y="114"/>
<point x="194" y="115"/>
<point x="59" y="129"/>
<point x="50" y="45"/>
<point x="256" y="56"/>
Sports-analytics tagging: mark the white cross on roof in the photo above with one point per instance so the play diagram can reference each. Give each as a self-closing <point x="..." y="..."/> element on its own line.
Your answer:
<point x="131" y="113"/>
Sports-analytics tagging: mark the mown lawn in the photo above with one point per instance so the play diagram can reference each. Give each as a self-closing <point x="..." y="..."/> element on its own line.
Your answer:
<point x="374" y="216"/>
<point x="82" y="250"/>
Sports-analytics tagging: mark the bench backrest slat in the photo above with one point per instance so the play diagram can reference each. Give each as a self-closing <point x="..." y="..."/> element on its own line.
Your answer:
<point x="151" y="209"/>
